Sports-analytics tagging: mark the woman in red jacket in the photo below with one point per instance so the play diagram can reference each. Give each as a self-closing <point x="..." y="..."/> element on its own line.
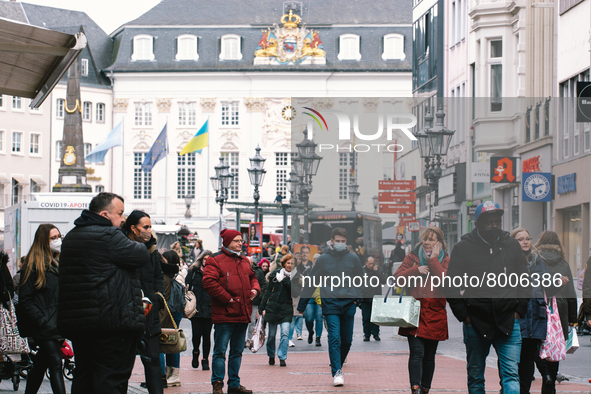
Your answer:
<point x="427" y="260"/>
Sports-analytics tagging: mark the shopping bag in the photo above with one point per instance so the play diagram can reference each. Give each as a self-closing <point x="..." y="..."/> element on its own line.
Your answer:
<point x="402" y="311"/>
<point x="572" y="344"/>
<point x="258" y="335"/>
<point x="10" y="340"/>
<point x="553" y="348"/>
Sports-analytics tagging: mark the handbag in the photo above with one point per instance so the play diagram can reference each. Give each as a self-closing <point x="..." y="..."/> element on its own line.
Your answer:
<point x="402" y="312"/>
<point x="258" y="335"/>
<point x="10" y="340"/>
<point x="190" y="305"/>
<point x="553" y="348"/>
<point x="172" y="340"/>
<point x="572" y="344"/>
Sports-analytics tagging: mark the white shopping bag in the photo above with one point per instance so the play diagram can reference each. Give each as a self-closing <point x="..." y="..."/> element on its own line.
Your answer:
<point x="573" y="341"/>
<point x="258" y="335"/>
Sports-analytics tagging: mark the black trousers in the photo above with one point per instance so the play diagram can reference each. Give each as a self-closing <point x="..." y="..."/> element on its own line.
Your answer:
<point x="150" y="356"/>
<point x="48" y="356"/>
<point x="104" y="362"/>
<point x="530" y="352"/>
<point x="550" y="368"/>
<point x="201" y="327"/>
<point x="369" y="328"/>
<point x="421" y="362"/>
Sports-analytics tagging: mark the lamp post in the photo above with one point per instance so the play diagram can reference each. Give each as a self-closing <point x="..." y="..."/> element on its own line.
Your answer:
<point x="306" y="166"/>
<point x="221" y="182"/>
<point x="256" y="172"/>
<point x="188" y="199"/>
<point x="353" y="193"/>
<point x="375" y="200"/>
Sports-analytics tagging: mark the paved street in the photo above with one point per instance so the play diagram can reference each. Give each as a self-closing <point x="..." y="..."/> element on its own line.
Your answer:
<point x="372" y="367"/>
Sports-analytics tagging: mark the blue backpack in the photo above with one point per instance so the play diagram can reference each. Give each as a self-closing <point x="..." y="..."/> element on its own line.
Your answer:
<point x="177" y="300"/>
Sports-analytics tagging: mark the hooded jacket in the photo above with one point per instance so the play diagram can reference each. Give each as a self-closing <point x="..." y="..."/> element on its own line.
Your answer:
<point x="151" y="280"/>
<point x="228" y="276"/>
<point x="433" y="315"/>
<point x="203" y="301"/>
<point x="475" y="258"/>
<point x="98" y="286"/>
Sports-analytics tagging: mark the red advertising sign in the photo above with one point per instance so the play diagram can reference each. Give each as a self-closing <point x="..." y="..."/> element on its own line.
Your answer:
<point x="405" y="220"/>
<point x="398" y="208"/>
<point x="397" y="197"/>
<point x="532" y="165"/>
<point x="397" y="185"/>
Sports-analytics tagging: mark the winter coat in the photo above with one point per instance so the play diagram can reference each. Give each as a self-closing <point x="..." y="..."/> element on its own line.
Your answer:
<point x="37" y="308"/>
<point x="6" y="285"/>
<point x="228" y="276"/>
<point x="586" y="306"/>
<point x="98" y="286"/>
<point x="169" y="271"/>
<point x="474" y="257"/>
<point x="566" y="298"/>
<point x="333" y="264"/>
<point x="277" y="302"/>
<point x="433" y="315"/>
<point x="194" y="280"/>
<point x="534" y="323"/>
<point x="370" y="291"/>
<point x="150" y="276"/>
<point x="261" y="277"/>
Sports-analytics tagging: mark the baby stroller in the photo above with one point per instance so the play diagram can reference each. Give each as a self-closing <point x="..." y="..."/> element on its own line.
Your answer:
<point x="13" y="367"/>
<point x="69" y="364"/>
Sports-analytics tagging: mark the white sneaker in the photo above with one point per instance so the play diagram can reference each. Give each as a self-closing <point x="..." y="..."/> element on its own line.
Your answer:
<point x="300" y="338"/>
<point x="338" y="379"/>
<point x="291" y="344"/>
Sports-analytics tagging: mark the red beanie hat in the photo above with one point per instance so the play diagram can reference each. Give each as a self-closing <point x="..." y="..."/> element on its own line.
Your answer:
<point x="228" y="235"/>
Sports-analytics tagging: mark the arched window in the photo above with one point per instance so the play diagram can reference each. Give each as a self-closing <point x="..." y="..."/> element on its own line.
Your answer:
<point x="393" y="47"/>
<point x="143" y="47"/>
<point x="187" y="47"/>
<point x="349" y="47"/>
<point x="230" y="49"/>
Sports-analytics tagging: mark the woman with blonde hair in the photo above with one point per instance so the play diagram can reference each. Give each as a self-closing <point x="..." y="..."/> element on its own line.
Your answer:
<point x="427" y="260"/>
<point x="37" y="309"/>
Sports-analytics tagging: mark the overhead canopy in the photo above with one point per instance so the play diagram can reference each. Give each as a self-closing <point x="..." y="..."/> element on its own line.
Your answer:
<point x="33" y="59"/>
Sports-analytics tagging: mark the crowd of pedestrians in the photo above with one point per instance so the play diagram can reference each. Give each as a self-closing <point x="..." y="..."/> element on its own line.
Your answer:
<point x="108" y="290"/>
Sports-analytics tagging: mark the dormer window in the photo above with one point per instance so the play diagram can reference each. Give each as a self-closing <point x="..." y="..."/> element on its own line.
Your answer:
<point x="187" y="47"/>
<point x="143" y="47"/>
<point x="230" y="49"/>
<point x="349" y="47"/>
<point x="393" y="47"/>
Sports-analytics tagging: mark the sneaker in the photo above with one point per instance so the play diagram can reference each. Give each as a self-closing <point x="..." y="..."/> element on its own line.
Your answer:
<point x="366" y="338"/>
<point x="282" y="363"/>
<point x="338" y="379"/>
<point x="377" y="337"/>
<point x="300" y="337"/>
<point x="318" y="341"/>
<point x="311" y="337"/>
<point x="291" y="344"/>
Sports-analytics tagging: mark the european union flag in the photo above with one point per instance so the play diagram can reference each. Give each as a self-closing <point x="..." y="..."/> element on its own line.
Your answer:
<point x="157" y="152"/>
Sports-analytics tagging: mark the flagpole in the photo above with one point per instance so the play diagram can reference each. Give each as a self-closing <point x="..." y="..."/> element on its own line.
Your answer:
<point x="122" y="156"/>
<point x="207" y="180"/>
<point x="166" y="175"/>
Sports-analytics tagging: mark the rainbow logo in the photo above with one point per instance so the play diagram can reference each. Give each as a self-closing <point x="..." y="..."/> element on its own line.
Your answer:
<point x="315" y="118"/>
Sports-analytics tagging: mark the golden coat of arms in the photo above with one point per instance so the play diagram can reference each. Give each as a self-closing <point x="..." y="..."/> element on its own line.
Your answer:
<point x="289" y="44"/>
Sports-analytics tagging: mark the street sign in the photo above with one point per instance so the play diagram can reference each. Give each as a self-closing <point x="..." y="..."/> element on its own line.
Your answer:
<point x="397" y="197"/>
<point x="414" y="226"/>
<point x="403" y="220"/>
<point x="398" y="208"/>
<point x="397" y="185"/>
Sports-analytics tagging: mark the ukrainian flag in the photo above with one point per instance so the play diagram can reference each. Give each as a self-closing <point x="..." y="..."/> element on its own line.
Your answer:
<point x="198" y="142"/>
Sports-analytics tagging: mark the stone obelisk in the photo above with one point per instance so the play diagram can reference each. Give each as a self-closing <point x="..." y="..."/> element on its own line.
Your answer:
<point x="72" y="172"/>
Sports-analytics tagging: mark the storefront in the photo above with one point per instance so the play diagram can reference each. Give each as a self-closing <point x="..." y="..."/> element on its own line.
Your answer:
<point x="571" y="204"/>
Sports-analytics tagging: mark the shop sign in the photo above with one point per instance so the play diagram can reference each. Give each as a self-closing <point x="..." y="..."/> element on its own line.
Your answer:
<point x="537" y="186"/>
<point x="532" y="164"/>
<point x="472" y="210"/>
<point x="503" y="170"/>
<point x="566" y="183"/>
<point x="480" y="172"/>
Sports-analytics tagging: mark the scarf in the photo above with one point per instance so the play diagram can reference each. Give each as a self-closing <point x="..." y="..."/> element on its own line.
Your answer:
<point x="424" y="259"/>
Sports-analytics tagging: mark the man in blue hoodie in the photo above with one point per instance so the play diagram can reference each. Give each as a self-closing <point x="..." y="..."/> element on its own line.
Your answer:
<point x="339" y="303"/>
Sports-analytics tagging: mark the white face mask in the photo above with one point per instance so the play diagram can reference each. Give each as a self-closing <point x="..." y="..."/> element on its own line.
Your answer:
<point x="56" y="245"/>
<point x="340" y="247"/>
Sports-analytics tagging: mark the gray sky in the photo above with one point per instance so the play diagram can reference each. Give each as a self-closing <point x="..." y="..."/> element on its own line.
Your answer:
<point x="108" y="14"/>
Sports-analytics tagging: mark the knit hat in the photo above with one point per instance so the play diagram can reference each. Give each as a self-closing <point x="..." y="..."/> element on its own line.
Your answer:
<point x="260" y="264"/>
<point x="228" y="235"/>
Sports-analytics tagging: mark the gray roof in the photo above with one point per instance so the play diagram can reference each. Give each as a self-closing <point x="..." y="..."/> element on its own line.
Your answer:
<point x="100" y="45"/>
<point x="13" y="11"/>
<point x="240" y="12"/>
<point x="203" y="19"/>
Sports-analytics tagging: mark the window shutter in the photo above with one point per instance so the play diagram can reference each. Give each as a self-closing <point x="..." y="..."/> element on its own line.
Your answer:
<point x="219" y="47"/>
<point x="176" y="47"/>
<point x="338" y="46"/>
<point x="383" y="47"/>
<point x="132" y="48"/>
<point x="359" y="47"/>
<point x="153" y="46"/>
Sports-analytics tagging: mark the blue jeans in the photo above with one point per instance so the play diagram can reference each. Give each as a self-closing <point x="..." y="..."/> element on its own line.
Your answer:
<point x="313" y="313"/>
<point x="508" y="350"/>
<point x="171" y="360"/>
<point x="283" y="342"/>
<point x="296" y="324"/>
<point x="340" y="337"/>
<point x="224" y="334"/>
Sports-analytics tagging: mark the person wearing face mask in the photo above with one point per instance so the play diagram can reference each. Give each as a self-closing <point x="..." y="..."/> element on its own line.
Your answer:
<point x="37" y="309"/>
<point x="490" y="312"/>
<point x="101" y="309"/>
<point x="339" y="304"/>
<point x="138" y="227"/>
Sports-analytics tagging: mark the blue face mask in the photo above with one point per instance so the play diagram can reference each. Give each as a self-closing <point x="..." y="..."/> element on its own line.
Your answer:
<point x="340" y="247"/>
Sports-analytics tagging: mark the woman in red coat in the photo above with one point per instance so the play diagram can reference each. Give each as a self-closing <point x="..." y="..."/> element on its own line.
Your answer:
<point x="427" y="260"/>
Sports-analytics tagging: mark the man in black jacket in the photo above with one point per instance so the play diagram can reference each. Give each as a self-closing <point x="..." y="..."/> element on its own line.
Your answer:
<point x="490" y="255"/>
<point x="371" y="270"/>
<point x="100" y="300"/>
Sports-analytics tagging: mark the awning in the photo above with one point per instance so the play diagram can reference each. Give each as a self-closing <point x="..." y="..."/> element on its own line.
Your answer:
<point x="21" y="181"/>
<point x="4" y="179"/>
<point x="38" y="181"/>
<point x="33" y="59"/>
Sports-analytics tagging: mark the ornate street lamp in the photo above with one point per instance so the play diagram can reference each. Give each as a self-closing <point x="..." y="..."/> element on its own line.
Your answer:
<point x="188" y="199"/>
<point x="221" y="182"/>
<point x="256" y="173"/>
<point x="353" y="193"/>
<point x="439" y="136"/>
